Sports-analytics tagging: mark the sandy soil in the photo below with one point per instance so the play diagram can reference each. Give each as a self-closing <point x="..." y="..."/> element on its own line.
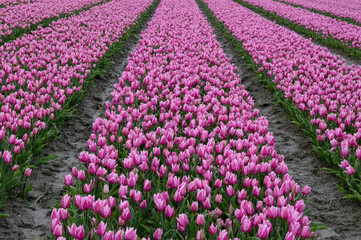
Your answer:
<point x="325" y="203"/>
<point x="48" y="181"/>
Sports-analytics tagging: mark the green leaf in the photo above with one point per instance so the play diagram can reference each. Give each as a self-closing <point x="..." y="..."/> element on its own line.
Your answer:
<point x="316" y="226"/>
<point x="341" y="189"/>
<point x="330" y="170"/>
<point x="146" y="227"/>
<point x="29" y="188"/>
<point x="3" y="215"/>
<point x="350" y="196"/>
<point x="45" y="160"/>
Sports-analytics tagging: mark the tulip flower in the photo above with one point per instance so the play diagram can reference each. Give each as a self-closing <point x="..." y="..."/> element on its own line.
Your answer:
<point x="200" y="219"/>
<point x="28" y="172"/>
<point x="213" y="229"/>
<point x="102" y="228"/>
<point x="68" y="180"/>
<point x="130" y="234"/>
<point x="158" y="234"/>
<point x="182" y="221"/>
<point x="169" y="211"/>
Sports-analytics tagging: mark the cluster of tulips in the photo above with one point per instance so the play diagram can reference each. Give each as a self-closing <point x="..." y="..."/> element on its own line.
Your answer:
<point x="42" y="74"/>
<point x="12" y="2"/>
<point x="181" y="153"/>
<point x="348" y="34"/>
<point x="22" y="16"/>
<point x="321" y="92"/>
<point x="342" y="8"/>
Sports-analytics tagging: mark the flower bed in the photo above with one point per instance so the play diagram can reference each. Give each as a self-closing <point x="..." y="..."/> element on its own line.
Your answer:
<point x="332" y="31"/>
<point x="319" y="91"/>
<point x="344" y="8"/>
<point x="13" y="2"/>
<point x="181" y="153"/>
<point x="43" y="79"/>
<point x="22" y="16"/>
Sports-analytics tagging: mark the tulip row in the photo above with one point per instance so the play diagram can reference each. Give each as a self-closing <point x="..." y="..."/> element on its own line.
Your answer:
<point x="181" y="152"/>
<point x="45" y="75"/>
<point x="334" y="32"/>
<point x="344" y="8"/>
<point x="15" y="18"/>
<point x="4" y="3"/>
<point x="319" y="91"/>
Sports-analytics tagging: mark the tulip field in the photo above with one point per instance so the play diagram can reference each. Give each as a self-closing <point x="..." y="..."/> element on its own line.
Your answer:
<point x="345" y="9"/>
<point x="179" y="149"/>
<point x="331" y="31"/>
<point x="16" y="18"/>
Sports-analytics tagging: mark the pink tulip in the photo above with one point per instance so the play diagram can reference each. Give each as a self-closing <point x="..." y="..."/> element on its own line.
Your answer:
<point x="290" y="236"/>
<point x="15" y="167"/>
<point x="27" y="172"/>
<point x="158" y="234"/>
<point x="230" y="191"/>
<point x="81" y="175"/>
<point x="63" y="214"/>
<point x="79" y="233"/>
<point x="263" y="231"/>
<point x="194" y="206"/>
<point x="143" y="204"/>
<point x="147" y="185"/>
<point x="72" y="230"/>
<point x="160" y="204"/>
<point x="102" y="228"/>
<point x="7" y="157"/>
<point x="126" y="214"/>
<point x="273" y="212"/>
<point x="54" y="222"/>
<point x="182" y="220"/>
<point x="218" y="198"/>
<point x="169" y="211"/>
<point x="200" y="219"/>
<point x="223" y="235"/>
<point x="58" y="231"/>
<point x="218" y="183"/>
<point x="108" y="236"/>
<point x="213" y="229"/>
<point x="305" y="233"/>
<point x="130" y="234"/>
<point x="207" y="203"/>
<point x="306" y="190"/>
<point x="246" y="224"/>
<point x="68" y="180"/>
<point x="350" y="170"/>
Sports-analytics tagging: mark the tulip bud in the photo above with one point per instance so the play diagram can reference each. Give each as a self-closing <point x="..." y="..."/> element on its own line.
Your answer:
<point x="158" y="234"/>
<point x="143" y="204"/>
<point x="213" y="229"/>
<point x="68" y="180"/>
<point x="200" y="219"/>
<point x="65" y="202"/>
<point x="106" y="189"/>
<point x="28" y="172"/>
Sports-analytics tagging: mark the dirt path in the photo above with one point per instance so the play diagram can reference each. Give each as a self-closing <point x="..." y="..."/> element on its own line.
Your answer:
<point x="48" y="181"/>
<point x="342" y="217"/>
